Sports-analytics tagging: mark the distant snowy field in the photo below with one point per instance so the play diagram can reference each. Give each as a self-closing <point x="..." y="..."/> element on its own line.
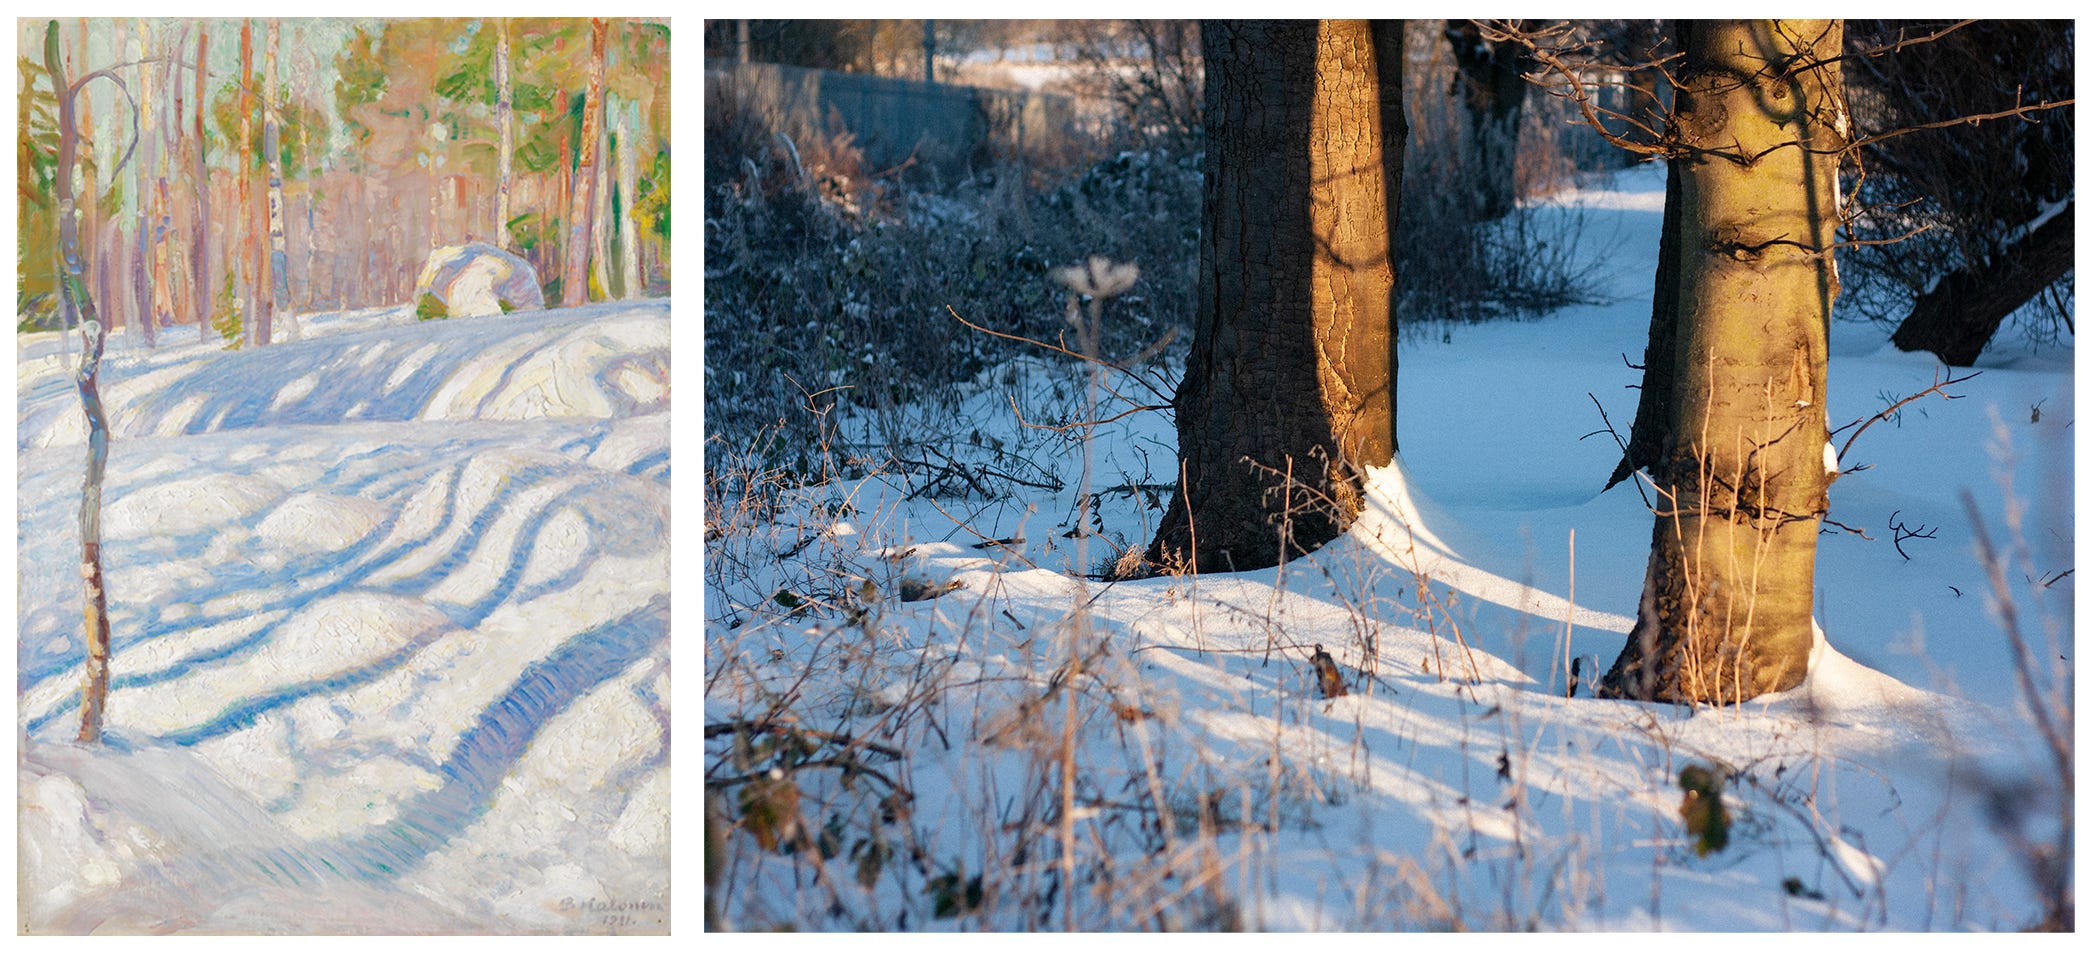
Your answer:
<point x="391" y="613"/>
<point x="1456" y="786"/>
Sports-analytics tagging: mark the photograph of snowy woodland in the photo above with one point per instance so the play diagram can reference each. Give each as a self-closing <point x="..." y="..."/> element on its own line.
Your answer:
<point x="1382" y="476"/>
<point x="343" y="473"/>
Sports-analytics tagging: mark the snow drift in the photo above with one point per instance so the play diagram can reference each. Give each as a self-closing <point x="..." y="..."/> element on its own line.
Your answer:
<point x="390" y="608"/>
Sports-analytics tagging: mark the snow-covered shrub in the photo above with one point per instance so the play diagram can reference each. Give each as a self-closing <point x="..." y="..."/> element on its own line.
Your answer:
<point x="812" y="290"/>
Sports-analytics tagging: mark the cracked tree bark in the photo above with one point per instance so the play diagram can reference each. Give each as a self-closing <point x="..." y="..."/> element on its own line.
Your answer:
<point x="1287" y="395"/>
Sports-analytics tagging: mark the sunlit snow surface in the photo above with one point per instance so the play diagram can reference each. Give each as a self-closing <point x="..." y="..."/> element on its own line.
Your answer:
<point x="390" y="606"/>
<point x="1455" y="786"/>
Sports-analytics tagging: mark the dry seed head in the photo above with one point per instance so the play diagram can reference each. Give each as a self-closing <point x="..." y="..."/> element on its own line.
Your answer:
<point x="1097" y="277"/>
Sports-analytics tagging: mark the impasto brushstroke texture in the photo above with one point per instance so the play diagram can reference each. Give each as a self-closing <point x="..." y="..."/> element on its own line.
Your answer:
<point x="385" y="540"/>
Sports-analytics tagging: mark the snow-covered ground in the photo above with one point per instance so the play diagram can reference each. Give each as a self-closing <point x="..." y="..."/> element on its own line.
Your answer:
<point x="390" y="607"/>
<point x="1456" y="785"/>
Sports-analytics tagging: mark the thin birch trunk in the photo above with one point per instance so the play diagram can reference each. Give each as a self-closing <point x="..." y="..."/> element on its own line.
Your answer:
<point x="507" y="122"/>
<point x="249" y="286"/>
<point x="272" y="136"/>
<point x="200" y="243"/>
<point x="75" y="302"/>
<point x="629" y="176"/>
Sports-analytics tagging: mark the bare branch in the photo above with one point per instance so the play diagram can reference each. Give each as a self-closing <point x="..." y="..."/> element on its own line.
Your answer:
<point x="1936" y="388"/>
<point x="1067" y="352"/>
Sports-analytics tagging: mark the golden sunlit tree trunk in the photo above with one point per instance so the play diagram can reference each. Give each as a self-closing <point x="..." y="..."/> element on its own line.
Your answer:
<point x="1287" y="394"/>
<point x="582" y="202"/>
<point x="1742" y="474"/>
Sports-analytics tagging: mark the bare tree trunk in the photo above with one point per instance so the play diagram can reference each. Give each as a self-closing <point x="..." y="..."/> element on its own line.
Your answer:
<point x="1494" y="87"/>
<point x="139" y="257"/>
<point x="601" y="207"/>
<point x="163" y="313"/>
<point x="1957" y="318"/>
<point x="575" y="281"/>
<point x="251" y="285"/>
<point x="75" y="301"/>
<point x="89" y="212"/>
<point x="629" y="178"/>
<point x="1727" y="608"/>
<point x="507" y="123"/>
<point x="177" y="156"/>
<point x="200" y="244"/>
<point x="564" y="185"/>
<point x="272" y="135"/>
<point x="1295" y="285"/>
<point x="1656" y="397"/>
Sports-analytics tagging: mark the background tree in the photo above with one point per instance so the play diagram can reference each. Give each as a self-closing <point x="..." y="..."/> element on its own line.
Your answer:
<point x="148" y="285"/>
<point x="1726" y="612"/>
<point x="200" y="235"/>
<point x="582" y="203"/>
<point x="272" y="137"/>
<point x="506" y="120"/>
<point x="1287" y="395"/>
<point x="1993" y="201"/>
<point x="253" y="290"/>
<point x="1492" y="77"/>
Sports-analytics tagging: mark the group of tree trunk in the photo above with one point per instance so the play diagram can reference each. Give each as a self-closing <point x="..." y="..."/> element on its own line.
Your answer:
<point x="236" y="227"/>
<point x="1287" y="397"/>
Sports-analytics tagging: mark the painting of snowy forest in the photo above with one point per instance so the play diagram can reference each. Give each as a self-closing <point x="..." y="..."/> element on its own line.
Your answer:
<point x="1389" y="476"/>
<point x="343" y="476"/>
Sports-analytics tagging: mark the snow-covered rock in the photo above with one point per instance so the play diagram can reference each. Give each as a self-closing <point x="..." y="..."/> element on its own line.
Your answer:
<point x="477" y="280"/>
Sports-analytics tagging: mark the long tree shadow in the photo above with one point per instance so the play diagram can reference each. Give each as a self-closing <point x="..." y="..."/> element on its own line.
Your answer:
<point x="499" y="738"/>
<point x="505" y="590"/>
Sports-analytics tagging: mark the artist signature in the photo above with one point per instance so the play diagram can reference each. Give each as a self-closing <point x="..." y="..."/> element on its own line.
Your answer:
<point x="616" y="913"/>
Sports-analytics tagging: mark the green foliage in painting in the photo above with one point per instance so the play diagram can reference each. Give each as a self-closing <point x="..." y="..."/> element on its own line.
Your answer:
<point x="428" y="306"/>
<point x="529" y="230"/>
<point x="226" y="310"/>
<point x="360" y="78"/>
<point x="36" y="224"/>
<point x="293" y="151"/>
<point x="651" y="206"/>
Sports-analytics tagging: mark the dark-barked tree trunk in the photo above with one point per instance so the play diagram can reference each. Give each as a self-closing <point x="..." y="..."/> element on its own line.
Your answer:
<point x="1656" y="396"/>
<point x="1957" y="318"/>
<point x="1741" y="475"/>
<point x="1287" y="395"/>
<point x="1492" y="86"/>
